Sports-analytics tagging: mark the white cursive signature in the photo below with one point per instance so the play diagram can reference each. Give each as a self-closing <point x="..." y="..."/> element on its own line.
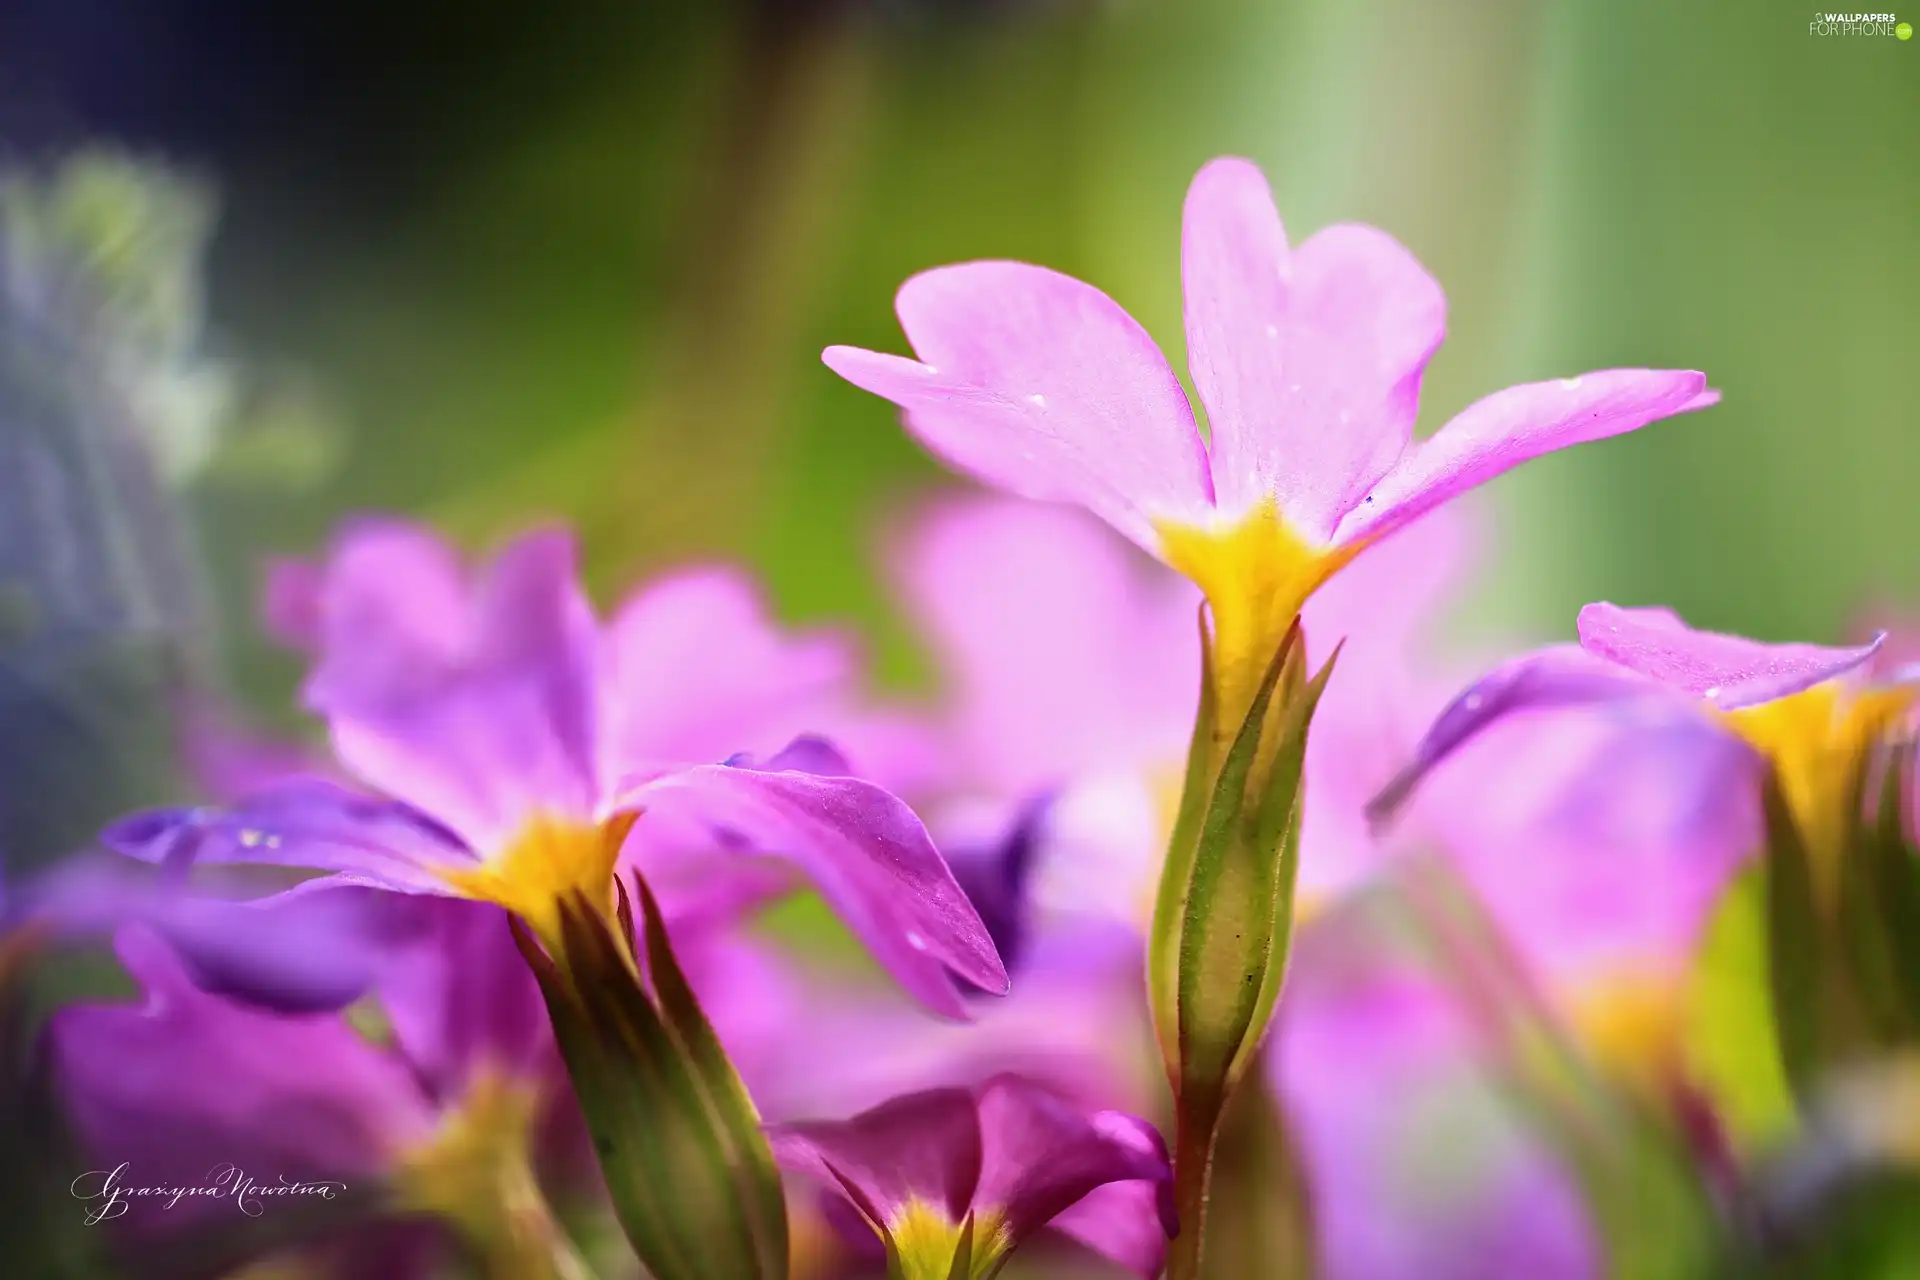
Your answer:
<point x="109" y="1194"/>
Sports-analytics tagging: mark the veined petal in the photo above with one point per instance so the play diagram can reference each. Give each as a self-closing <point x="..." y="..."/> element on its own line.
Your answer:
<point x="1728" y="671"/>
<point x="1496" y="434"/>
<point x="871" y="858"/>
<point x="1043" y="386"/>
<point x="701" y="669"/>
<point x="494" y="719"/>
<point x="303" y="823"/>
<point x="1309" y="367"/>
<point x="1040" y="1154"/>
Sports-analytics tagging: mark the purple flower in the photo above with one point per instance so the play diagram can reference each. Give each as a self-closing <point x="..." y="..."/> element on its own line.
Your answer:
<point x="1420" y="1164"/>
<point x="513" y="739"/>
<point x="948" y="1169"/>
<point x="294" y="953"/>
<point x="1797" y="706"/>
<point x="1308" y="362"/>
<point x="439" y="1115"/>
<point x="186" y="1083"/>
<point x="1642" y="750"/>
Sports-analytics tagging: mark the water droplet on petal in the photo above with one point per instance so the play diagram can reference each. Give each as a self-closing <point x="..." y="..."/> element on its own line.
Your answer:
<point x="1570" y="384"/>
<point x="1037" y="400"/>
<point x="249" y="838"/>
<point x="915" y="941"/>
<point x="1712" y="693"/>
<point x="1472" y="701"/>
<point x="1273" y="331"/>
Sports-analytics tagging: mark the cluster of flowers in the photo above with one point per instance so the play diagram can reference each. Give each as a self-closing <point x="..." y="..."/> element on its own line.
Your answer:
<point x="547" y="836"/>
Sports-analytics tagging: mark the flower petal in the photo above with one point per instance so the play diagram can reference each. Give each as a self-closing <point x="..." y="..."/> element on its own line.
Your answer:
<point x="1310" y="368"/>
<point x="189" y="1082"/>
<point x="1557" y="676"/>
<point x="1038" y="384"/>
<point x="1420" y="1161"/>
<point x="923" y="1147"/>
<point x="1040" y="1154"/>
<point x="871" y="858"/>
<point x="385" y="614"/>
<point x="478" y="710"/>
<point x="1728" y="671"/>
<point x="1496" y="434"/>
<point x="1600" y="843"/>
<point x="296" y="952"/>
<point x="994" y="874"/>
<point x="1024" y="605"/>
<point x="460" y="997"/>
<point x="1128" y="1222"/>
<point x="304" y="823"/>
<point x="700" y="669"/>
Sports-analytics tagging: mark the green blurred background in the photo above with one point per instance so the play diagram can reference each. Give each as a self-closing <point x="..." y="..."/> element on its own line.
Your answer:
<point x="579" y="261"/>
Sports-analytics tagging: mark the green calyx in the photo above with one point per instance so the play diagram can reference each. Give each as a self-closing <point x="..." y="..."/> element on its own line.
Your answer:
<point x="687" y="1165"/>
<point x="1223" y="917"/>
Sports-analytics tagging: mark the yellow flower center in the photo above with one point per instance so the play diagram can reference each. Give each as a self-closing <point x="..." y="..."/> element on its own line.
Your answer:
<point x="1817" y="740"/>
<point x="1256" y="574"/>
<point x="475" y="1170"/>
<point x="1630" y="1022"/>
<point x="925" y="1238"/>
<point x="548" y="862"/>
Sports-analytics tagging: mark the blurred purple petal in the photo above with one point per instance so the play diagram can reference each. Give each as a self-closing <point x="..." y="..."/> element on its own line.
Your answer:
<point x="314" y="948"/>
<point x="1420" y="1164"/>
<point x="186" y="1082"/>
<point x="994" y="875"/>
<point x="1728" y="671"/>
<point x="700" y="669"/>
<point x="1559" y="676"/>
<point x="474" y="703"/>
<point x="459" y="997"/>
<point x="1023" y="604"/>
<point x="302" y="952"/>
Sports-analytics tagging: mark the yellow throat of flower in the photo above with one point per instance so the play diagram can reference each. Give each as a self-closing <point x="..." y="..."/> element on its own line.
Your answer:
<point x="1256" y="574"/>
<point x="475" y="1170"/>
<point x="1630" y="1022"/>
<point x="925" y="1239"/>
<point x="547" y="863"/>
<point x="1817" y="740"/>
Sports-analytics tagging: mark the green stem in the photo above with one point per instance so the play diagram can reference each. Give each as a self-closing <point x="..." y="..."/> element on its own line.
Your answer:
<point x="1192" y="1178"/>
